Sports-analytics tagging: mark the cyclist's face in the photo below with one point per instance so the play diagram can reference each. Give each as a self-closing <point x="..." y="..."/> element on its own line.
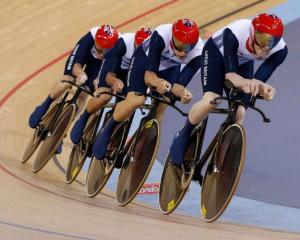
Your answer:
<point x="263" y="43"/>
<point x="100" y="51"/>
<point x="260" y="51"/>
<point x="180" y="49"/>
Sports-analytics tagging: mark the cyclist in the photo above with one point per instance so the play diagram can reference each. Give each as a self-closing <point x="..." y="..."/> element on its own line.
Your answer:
<point x="112" y="75"/>
<point x="230" y="54"/>
<point x="167" y="61"/>
<point x="83" y="65"/>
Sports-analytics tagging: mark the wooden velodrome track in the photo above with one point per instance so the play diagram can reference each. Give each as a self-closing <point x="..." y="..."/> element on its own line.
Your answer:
<point x="35" y="38"/>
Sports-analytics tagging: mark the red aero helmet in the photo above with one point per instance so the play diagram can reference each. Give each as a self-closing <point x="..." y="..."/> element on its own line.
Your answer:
<point x="186" y="31"/>
<point x="142" y="34"/>
<point x="268" y="23"/>
<point x="106" y="36"/>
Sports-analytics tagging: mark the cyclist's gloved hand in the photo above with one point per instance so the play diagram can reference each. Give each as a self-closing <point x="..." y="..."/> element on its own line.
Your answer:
<point x="186" y="97"/>
<point x="251" y="86"/>
<point x="267" y="91"/>
<point x="81" y="79"/>
<point x="163" y="87"/>
<point x="118" y="86"/>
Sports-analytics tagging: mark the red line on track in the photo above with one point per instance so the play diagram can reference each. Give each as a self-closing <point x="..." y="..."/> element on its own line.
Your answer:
<point x="41" y="188"/>
<point x="43" y="68"/>
<point x="54" y="61"/>
<point x="30" y="77"/>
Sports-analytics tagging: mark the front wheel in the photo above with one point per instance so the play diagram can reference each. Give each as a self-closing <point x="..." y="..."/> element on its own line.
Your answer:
<point x="100" y="170"/>
<point x="32" y="145"/>
<point x="138" y="162"/>
<point x="79" y="151"/>
<point x="38" y="134"/>
<point x="219" y="187"/>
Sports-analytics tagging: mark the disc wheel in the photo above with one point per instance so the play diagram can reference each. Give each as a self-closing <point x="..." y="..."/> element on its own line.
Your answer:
<point x="219" y="186"/>
<point x="138" y="162"/>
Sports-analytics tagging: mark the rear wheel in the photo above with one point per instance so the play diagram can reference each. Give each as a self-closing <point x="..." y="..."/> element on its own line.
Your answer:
<point x="54" y="137"/>
<point x="138" y="162"/>
<point x="219" y="187"/>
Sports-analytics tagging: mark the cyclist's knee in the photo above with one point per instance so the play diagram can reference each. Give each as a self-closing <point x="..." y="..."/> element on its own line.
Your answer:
<point x="82" y="98"/>
<point x="65" y="84"/>
<point x="134" y="101"/>
<point x="207" y="99"/>
<point x="67" y="78"/>
<point x="96" y="103"/>
<point x="160" y="112"/>
<point x="104" y="99"/>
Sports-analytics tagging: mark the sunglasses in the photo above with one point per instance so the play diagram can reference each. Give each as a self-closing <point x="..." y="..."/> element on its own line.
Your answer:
<point x="101" y="50"/>
<point x="180" y="47"/>
<point x="265" y="41"/>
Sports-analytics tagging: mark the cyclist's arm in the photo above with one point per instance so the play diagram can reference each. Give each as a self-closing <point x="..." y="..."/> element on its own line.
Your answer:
<point x="231" y="45"/>
<point x="266" y="69"/>
<point x="112" y="62"/>
<point x="80" y="52"/>
<point x="156" y="47"/>
<point x="190" y="70"/>
<point x="177" y="89"/>
<point x="77" y="70"/>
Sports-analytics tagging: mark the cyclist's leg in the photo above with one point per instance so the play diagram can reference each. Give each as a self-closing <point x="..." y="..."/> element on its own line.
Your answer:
<point x="135" y="84"/>
<point x="57" y="90"/>
<point x="93" y="105"/>
<point x="122" y="112"/>
<point x="125" y="108"/>
<point x="160" y="112"/>
<point x="212" y="77"/>
<point x="80" y="103"/>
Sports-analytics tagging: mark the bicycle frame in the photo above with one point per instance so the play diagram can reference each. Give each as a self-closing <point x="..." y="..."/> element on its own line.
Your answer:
<point x="217" y="140"/>
<point x="155" y="101"/>
<point x="127" y="124"/>
<point x="151" y="114"/>
<point x="61" y="104"/>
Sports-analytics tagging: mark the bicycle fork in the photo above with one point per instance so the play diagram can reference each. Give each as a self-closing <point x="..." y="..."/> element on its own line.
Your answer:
<point x="218" y="162"/>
